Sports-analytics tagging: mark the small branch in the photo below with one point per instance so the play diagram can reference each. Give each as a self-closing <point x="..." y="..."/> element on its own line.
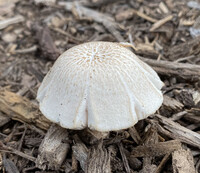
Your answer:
<point x="10" y="21"/>
<point x="124" y="158"/>
<point x="21" y="109"/>
<point x="182" y="70"/>
<point x="161" y="22"/>
<point x="176" y="131"/>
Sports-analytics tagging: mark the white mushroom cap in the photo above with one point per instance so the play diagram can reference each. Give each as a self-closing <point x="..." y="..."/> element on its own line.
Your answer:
<point x="100" y="85"/>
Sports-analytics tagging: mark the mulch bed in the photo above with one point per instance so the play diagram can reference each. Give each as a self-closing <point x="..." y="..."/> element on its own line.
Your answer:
<point x="165" y="34"/>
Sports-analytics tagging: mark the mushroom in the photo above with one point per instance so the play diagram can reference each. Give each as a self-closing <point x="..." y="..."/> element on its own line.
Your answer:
<point x="99" y="85"/>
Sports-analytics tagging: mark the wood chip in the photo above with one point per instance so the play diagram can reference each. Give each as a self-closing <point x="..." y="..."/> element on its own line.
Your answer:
<point x="162" y="163"/>
<point x="10" y="166"/>
<point x="46" y="43"/>
<point x="80" y="151"/>
<point x="158" y="149"/>
<point x="3" y="119"/>
<point x="171" y="103"/>
<point x="6" y="22"/>
<point x="185" y="71"/>
<point x="163" y="7"/>
<point x="53" y="150"/>
<point x="176" y="131"/>
<point x="182" y="161"/>
<point x="124" y="158"/>
<point x="9" y="37"/>
<point x="128" y="14"/>
<point x="161" y="22"/>
<point x="148" y="169"/>
<point x="191" y="47"/>
<point x="21" y="109"/>
<point x="98" y="160"/>
<point x="135" y="135"/>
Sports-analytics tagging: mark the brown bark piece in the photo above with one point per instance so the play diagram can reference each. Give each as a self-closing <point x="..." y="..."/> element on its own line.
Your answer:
<point x="124" y="158"/>
<point x="134" y="163"/>
<point x="98" y="160"/>
<point x="150" y="138"/>
<point x="3" y="119"/>
<point x="158" y="149"/>
<point x="80" y="151"/>
<point x="182" y="161"/>
<point x="149" y="168"/>
<point x="190" y="47"/>
<point x="53" y="150"/>
<point x="185" y="71"/>
<point x="21" y="109"/>
<point x="135" y="135"/>
<point x="172" y="104"/>
<point x="46" y="43"/>
<point x="9" y="166"/>
<point x="176" y="131"/>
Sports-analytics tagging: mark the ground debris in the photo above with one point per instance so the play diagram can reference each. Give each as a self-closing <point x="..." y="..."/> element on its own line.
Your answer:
<point x="21" y="109"/>
<point x="107" y="21"/>
<point x="53" y="150"/>
<point x="165" y="34"/>
<point x="98" y="160"/>
<point x="180" y="70"/>
<point x="9" y="166"/>
<point x="182" y="161"/>
<point x="176" y="131"/>
<point x="191" y="47"/>
<point x="10" y="21"/>
<point x="158" y="149"/>
<point x="170" y="103"/>
<point x="45" y="41"/>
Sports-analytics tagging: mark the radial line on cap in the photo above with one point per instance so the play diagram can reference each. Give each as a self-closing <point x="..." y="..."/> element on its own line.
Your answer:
<point x="82" y="109"/>
<point x="133" y="101"/>
<point x="145" y="76"/>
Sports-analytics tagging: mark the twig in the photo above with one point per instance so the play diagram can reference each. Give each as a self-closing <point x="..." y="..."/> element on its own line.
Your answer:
<point x="161" y="22"/>
<point x="162" y="163"/>
<point x="185" y="71"/>
<point x="125" y="161"/>
<point x="73" y="39"/>
<point x="4" y="148"/>
<point x="134" y="134"/>
<point x="10" y="21"/>
<point x="22" y="138"/>
<point x="46" y="43"/>
<point x="176" y="131"/>
<point x="144" y="16"/>
<point x="131" y="12"/>
<point x="26" y="50"/>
